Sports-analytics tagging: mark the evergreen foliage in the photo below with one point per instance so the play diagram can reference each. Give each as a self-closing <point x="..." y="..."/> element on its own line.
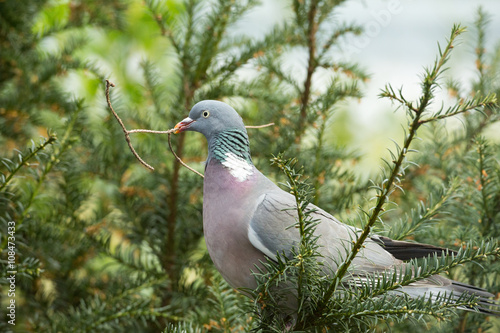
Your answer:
<point x="104" y="245"/>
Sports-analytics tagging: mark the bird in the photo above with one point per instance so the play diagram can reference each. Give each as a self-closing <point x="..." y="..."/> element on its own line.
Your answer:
<point x="247" y="217"/>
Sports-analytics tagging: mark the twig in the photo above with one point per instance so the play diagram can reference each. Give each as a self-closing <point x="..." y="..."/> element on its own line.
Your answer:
<point x="127" y="133"/>
<point x="151" y="131"/>
<point x="260" y="126"/>
<point x="179" y="159"/>
<point x="169" y="132"/>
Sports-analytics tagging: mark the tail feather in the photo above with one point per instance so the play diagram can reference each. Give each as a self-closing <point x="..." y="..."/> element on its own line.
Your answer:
<point x="439" y="286"/>
<point x="406" y="250"/>
<point x="486" y="300"/>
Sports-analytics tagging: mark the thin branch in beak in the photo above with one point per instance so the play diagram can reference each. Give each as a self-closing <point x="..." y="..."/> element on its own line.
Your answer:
<point x="169" y="132"/>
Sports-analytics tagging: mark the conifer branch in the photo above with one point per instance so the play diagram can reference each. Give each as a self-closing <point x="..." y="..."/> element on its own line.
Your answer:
<point x="57" y="153"/>
<point x="391" y="94"/>
<point x="423" y="213"/>
<point x="488" y="186"/>
<point x="419" y="306"/>
<point x="307" y="246"/>
<point x="336" y="35"/>
<point x="428" y="85"/>
<point x="23" y="160"/>
<point x="462" y="107"/>
<point x="130" y="313"/>
<point x="160" y="15"/>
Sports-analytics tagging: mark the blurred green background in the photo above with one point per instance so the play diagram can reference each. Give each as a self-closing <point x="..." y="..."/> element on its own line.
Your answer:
<point x="102" y="243"/>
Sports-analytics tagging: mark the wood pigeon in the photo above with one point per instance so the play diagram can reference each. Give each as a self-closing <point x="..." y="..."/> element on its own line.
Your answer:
<point x="246" y="217"/>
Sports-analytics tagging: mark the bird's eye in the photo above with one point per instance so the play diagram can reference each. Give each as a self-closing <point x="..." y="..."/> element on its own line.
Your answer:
<point x="206" y="114"/>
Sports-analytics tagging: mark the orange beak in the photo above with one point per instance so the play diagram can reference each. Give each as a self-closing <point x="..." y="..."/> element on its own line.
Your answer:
<point x="183" y="125"/>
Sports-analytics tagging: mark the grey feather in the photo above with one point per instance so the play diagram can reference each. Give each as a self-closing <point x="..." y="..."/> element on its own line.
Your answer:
<point x="408" y="250"/>
<point x="275" y="214"/>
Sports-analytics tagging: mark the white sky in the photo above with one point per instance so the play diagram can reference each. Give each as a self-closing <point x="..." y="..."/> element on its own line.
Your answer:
<point x="400" y="38"/>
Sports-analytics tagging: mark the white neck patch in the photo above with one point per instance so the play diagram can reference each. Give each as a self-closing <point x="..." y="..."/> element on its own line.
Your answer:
<point x="238" y="167"/>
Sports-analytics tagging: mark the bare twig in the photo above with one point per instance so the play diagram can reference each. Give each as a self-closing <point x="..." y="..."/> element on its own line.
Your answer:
<point x="260" y="126"/>
<point x="169" y="132"/>
<point x="127" y="133"/>
<point x="179" y="159"/>
<point x="151" y="131"/>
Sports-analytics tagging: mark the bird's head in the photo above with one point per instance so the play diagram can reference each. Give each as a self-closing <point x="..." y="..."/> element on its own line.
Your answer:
<point x="211" y="118"/>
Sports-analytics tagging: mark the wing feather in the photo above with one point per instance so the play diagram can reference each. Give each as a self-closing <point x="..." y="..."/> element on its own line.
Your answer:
<point x="271" y="231"/>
